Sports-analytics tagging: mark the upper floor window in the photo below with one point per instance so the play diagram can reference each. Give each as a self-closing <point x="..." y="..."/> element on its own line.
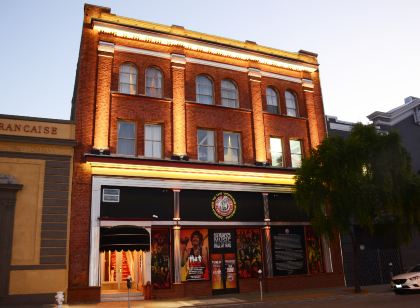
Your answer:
<point x="154" y="82"/>
<point x="232" y="147"/>
<point x="128" y="79"/>
<point x="276" y="150"/>
<point x="291" y="104"/>
<point x="153" y="140"/>
<point x="205" y="145"/>
<point x="126" y="138"/>
<point x="272" y="100"/>
<point x="229" y="94"/>
<point x="204" y="90"/>
<point x="296" y="153"/>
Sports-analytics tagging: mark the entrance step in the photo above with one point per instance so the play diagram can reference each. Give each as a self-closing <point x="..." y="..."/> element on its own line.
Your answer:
<point x="121" y="297"/>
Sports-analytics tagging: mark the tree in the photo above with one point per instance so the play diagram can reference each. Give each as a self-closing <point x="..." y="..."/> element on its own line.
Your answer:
<point x="365" y="181"/>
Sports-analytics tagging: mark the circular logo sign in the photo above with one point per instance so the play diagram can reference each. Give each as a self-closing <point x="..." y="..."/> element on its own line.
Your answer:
<point x="223" y="205"/>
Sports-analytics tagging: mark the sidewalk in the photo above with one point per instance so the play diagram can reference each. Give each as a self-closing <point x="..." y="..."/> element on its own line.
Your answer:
<point x="246" y="299"/>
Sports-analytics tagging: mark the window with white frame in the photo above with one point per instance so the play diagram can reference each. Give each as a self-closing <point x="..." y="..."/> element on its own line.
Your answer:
<point x="229" y="94"/>
<point x="272" y="100"/>
<point x="205" y="145"/>
<point x="276" y="150"/>
<point x="296" y="153"/>
<point x="128" y="79"/>
<point x="291" y="104"/>
<point x="232" y="147"/>
<point x="153" y="140"/>
<point x="204" y="90"/>
<point x="126" y="138"/>
<point x="154" y="82"/>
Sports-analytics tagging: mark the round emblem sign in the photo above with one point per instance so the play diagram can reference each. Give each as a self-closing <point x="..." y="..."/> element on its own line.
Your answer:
<point x="223" y="205"/>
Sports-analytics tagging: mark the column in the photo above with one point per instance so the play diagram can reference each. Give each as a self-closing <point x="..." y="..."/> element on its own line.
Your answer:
<point x="178" y="107"/>
<point x="177" y="239"/>
<point x="310" y="107"/>
<point x="267" y="239"/>
<point x="8" y="191"/>
<point x="254" y="76"/>
<point x="103" y="97"/>
<point x="177" y="254"/>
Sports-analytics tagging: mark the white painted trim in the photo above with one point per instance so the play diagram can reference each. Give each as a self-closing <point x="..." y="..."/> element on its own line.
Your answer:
<point x="308" y="82"/>
<point x="94" y="236"/>
<point x="253" y="72"/>
<point x="137" y="223"/>
<point x="220" y="223"/>
<point x="290" y="223"/>
<point x="162" y="39"/>
<point x="106" y="47"/>
<point x="179" y="59"/>
<point x="217" y="64"/>
<point x="179" y="184"/>
<point x="143" y="52"/>
<point x="281" y="77"/>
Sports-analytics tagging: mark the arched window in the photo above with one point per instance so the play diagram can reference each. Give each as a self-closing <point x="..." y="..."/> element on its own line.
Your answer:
<point x="154" y="82"/>
<point x="128" y="79"/>
<point x="229" y="94"/>
<point x="291" y="104"/>
<point x="272" y="100"/>
<point x="204" y="90"/>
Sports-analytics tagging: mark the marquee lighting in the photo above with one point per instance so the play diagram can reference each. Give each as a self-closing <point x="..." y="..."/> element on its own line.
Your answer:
<point x="131" y="170"/>
<point x="135" y="34"/>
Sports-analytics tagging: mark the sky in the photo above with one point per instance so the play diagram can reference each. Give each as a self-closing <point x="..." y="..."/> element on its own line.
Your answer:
<point x="368" y="50"/>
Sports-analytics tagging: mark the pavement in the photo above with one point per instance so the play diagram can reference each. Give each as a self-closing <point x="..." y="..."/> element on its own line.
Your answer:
<point x="249" y="300"/>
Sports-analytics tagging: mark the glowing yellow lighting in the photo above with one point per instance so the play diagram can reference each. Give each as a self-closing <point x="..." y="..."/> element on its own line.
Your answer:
<point x="125" y="32"/>
<point x="100" y="168"/>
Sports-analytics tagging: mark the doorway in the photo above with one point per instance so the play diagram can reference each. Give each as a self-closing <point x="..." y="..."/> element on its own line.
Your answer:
<point x="124" y="253"/>
<point x="223" y="265"/>
<point x="117" y="266"/>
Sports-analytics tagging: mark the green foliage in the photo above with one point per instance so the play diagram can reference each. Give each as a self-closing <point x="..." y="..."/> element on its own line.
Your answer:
<point x="364" y="180"/>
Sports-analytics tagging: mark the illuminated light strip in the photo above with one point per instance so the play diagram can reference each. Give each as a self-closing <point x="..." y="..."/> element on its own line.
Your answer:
<point x="99" y="168"/>
<point x="125" y="32"/>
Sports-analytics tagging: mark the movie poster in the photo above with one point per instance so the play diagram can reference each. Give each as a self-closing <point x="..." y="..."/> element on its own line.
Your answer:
<point x="289" y="253"/>
<point x="313" y="251"/>
<point x="194" y="254"/>
<point x="216" y="271"/>
<point x="161" y="276"/>
<point x="248" y="243"/>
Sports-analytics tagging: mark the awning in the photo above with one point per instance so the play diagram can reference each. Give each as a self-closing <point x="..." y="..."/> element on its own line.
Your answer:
<point x="124" y="238"/>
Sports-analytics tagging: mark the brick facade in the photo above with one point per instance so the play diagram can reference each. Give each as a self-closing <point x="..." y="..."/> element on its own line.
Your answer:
<point x="98" y="106"/>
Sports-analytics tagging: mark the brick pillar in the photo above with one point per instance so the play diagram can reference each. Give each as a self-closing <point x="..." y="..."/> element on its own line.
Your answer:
<point x="257" y="116"/>
<point x="268" y="261"/>
<point x="178" y="106"/>
<point x="8" y="191"/>
<point x="310" y="107"/>
<point x="103" y="96"/>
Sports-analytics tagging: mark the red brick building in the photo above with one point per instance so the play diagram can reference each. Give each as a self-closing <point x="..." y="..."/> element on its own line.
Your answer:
<point x="187" y="145"/>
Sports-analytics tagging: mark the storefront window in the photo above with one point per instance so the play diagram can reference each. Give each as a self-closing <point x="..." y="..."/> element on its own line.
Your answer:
<point x="248" y="243"/>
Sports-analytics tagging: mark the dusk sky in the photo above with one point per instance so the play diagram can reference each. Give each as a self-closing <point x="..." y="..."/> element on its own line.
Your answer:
<point x="369" y="50"/>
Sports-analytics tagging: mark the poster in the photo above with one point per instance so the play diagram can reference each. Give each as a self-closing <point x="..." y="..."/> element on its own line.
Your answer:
<point x="194" y="254"/>
<point x="161" y="277"/>
<point x="248" y="243"/>
<point x="289" y="253"/>
<point x="313" y="251"/>
<point x="230" y="265"/>
<point x="216" y="272"/>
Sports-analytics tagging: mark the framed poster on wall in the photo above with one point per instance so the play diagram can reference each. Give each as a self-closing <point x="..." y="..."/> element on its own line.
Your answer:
<point x="194" y="254"/>
<point x="288" y="248"/>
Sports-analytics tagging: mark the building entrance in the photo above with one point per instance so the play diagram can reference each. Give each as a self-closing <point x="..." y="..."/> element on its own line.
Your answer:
<point x="124" y="253"/>
<point x="223" y="267"/>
